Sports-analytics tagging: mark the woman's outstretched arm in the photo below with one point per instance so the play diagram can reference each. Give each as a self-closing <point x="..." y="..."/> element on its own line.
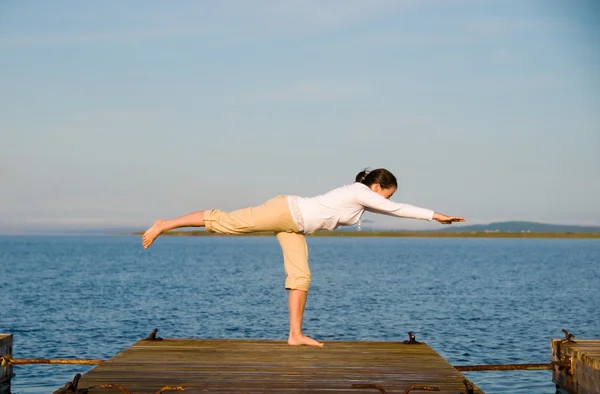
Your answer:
<point x="445" y="219"/>
<point x="376" y="203"/>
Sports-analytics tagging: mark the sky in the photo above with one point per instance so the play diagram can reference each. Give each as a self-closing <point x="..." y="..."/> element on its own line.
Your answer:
<point x="116" y="113"/>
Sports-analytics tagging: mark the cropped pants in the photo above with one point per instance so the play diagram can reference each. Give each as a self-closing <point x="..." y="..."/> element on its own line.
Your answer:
<point x="273" y="215"/>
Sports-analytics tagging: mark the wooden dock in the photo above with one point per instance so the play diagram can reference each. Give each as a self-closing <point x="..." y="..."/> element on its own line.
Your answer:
<point x="578" y="365"/>
<point x="262" y="366"/>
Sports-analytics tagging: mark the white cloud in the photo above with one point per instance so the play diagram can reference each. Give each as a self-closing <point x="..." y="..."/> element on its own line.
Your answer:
<point x="316" y="15"/>
<point x="107" y="36"/>
<point x="311" y="15"/>
<point x="505" y="25"/>
<point x="501" y="55"/>
<point x="69" y="223"/>
<point x="311" y="91"/>
<point x="241" y="19"/>
<point x="116" y="115"/>
<point x="406" y="39"/>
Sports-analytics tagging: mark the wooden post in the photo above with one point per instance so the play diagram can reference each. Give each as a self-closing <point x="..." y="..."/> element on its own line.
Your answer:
<point x="6" y="342"/>
<point x="577" y="368"/>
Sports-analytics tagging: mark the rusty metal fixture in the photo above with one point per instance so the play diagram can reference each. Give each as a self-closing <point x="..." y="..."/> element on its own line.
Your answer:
<point x="152" y="336"/>
<point x="469" y="386"/>
<point x="170" y="388"/>
<point x="369" y="386"/>
<point x="71" y="387"/>
<point x="564" y="365"/>
<point x="502" y="367"/>
<point x="561" y="364"/>
<point x="7" y="360"/>
<point x="408" y="390"/>
<point x="568" y="336"/>
<point x="411" y="339"/>
<point x="420" y="387"/>
<point x="564" y="362"/>
<point x="114" y="386"/>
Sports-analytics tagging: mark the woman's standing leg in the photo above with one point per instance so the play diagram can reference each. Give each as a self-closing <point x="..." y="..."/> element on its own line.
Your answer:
<point x="195" y="219"/>
<point x="297" y="302"/>
<point x="295" y="257"/>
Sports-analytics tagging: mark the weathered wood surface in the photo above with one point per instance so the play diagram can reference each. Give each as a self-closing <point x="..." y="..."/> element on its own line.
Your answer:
<point x="260" y="366"/>
<point x="582" y="375"/>
<point x="6" y="344"/>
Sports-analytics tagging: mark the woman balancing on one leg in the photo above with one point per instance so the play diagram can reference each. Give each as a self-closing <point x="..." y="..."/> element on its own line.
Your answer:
<point x="291" y="217"/>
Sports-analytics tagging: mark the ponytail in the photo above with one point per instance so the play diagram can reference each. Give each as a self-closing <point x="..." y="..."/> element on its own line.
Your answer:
<point x="381" y="176"/>
<point x="360" y="177"/>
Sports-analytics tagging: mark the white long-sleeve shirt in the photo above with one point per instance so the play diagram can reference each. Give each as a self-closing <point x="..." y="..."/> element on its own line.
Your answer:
<point x="344" y="206"/>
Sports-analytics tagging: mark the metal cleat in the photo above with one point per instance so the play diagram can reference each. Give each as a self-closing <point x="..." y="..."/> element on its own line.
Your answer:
<point x="153" y="337"/>
<point x="411" y="339"/>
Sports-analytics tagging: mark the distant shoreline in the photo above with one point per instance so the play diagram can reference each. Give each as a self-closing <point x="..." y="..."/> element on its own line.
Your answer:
<point x="398" y="234"/>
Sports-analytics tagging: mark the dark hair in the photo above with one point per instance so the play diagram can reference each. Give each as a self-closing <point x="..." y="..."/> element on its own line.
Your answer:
<point x="382" y="176"/>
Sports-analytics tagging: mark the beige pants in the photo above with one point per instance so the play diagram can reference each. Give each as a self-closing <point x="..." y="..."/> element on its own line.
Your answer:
<point x="274" y="215"/>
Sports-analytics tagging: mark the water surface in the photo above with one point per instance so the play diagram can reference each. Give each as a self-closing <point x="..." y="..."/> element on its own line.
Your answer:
<point x="475" y="301"/>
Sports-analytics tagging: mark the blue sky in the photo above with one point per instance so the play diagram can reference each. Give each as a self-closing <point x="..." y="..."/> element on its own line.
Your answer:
<point x="117" y="113"/>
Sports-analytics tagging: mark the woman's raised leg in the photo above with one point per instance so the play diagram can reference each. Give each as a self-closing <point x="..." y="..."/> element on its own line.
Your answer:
<point x="195" y="219"/>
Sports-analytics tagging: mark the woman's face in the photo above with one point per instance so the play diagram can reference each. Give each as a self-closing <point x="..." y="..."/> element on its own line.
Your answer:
<point x="387" y="192"/>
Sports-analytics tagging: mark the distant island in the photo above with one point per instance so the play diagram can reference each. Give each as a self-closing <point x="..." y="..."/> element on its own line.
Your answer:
<point x="512" y="229"/>
<point x="508" y="229"/>
<point x="517" y="227"/>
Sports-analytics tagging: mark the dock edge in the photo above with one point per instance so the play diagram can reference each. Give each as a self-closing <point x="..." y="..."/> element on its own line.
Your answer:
<point x="6" y="371"/>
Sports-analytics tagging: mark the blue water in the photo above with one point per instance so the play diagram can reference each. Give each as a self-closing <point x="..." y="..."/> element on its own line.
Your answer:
<point x="475" y="301"/>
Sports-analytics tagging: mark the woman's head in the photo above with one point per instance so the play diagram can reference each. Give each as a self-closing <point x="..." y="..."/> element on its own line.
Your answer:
<point x="380" y="181"/>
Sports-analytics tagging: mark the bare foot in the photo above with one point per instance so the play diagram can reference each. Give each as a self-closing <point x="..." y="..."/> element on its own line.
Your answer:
<point x="299" y="340"/>
<point x="153" y="231"/>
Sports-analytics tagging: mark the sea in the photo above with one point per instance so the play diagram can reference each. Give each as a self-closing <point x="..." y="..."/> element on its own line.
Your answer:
<point x="473" y="300"/>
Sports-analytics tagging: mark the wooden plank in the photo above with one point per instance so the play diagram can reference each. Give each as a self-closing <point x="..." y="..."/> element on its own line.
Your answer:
<point x="6" y="344"/>
<point x="582" y="358"/>
<point x="261" y="366"/>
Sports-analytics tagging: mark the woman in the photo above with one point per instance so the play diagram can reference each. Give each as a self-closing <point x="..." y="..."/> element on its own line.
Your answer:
<point x="291" y="217"/>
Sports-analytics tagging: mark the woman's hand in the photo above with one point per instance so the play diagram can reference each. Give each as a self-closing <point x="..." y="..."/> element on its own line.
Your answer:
<point x="444" y="219"/>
